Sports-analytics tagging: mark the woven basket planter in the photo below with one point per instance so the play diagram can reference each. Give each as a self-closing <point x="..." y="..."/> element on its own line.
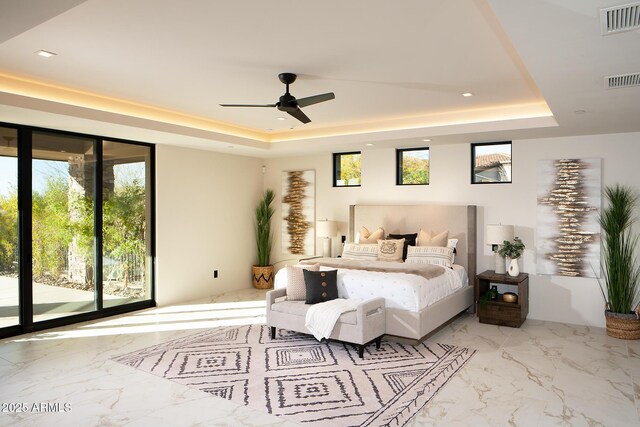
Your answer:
<point x="623" y="326"/>
<point x="263" y="277"/>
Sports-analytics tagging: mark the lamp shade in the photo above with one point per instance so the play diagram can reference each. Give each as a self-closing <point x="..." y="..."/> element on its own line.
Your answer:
<point x="496" y="234"/>
<point x="326" y="228"/>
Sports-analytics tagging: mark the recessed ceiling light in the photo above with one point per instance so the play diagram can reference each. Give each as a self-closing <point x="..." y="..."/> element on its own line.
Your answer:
<point x="467" y="94"/>
<point x="280" y="118"/>
<point x="427" y="140"/>
<point x="45" y="53"/>
<point x="369" y="145"/>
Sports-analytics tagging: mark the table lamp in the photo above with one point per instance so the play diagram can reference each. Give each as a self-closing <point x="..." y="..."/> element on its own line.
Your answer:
<point x="495" y="235"/>
<point x="326" y="229"/>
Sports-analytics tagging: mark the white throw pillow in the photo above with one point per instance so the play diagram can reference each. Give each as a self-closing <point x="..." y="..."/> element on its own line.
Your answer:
<point x="438" y="255"/>
<point x="361" y="252"/>
<point x="296" y="289"/>
<point x="452" y="243"/>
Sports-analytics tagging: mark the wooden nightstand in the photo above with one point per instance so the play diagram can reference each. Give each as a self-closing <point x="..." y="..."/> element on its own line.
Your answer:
<point x="499" y="312"/>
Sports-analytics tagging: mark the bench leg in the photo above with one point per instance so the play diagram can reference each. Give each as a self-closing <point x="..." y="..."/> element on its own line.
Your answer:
<point x="361" y="351"/>
<point x="273" y="332"/>
<point x="378" y="342"/>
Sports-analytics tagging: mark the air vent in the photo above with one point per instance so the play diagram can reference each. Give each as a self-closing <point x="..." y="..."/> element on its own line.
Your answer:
<point x="620" y="18"/>
<point x="622" y="80"/>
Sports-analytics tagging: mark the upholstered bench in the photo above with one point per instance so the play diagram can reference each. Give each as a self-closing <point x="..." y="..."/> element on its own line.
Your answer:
<point x="362" y="326"/>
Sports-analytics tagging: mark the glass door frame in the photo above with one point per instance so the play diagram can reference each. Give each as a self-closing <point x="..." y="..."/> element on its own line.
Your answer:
<point x="25" y="235"/>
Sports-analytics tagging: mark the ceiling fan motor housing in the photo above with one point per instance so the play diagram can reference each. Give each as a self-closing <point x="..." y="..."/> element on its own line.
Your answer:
<point x="287" y="103"/>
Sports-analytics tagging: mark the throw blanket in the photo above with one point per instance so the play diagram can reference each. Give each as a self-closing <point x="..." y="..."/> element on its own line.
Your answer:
<point x="428" y="271"/>
<point x="322" y="317"/>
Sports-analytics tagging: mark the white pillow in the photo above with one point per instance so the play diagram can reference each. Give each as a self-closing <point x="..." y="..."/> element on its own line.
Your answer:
<point x="438" y="255"/>
<point x="361" y="252"/>
<point x="296" y="288"/>
<point x="390" y="250"/>
<point x="452" y="243"/>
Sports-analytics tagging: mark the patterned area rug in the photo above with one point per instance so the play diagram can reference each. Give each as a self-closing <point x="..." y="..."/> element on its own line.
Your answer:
<point x="310" y="382"/>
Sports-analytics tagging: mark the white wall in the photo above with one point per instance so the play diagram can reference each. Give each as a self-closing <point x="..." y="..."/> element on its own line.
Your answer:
<point x="204" y="221"/>
<point x="570" y="300"/>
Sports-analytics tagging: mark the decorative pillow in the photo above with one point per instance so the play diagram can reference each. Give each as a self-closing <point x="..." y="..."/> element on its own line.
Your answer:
<point x="409" y="240"/>
<point x="426" y="239"/>
<point x="296" y="290"/>
<point x="438" y="255"/>
<point x="321" y="285"/>
<point x="390" y="250"/>
<point x="452" y="243"/>
<point x="367" y="237"/>
<point x="361" y="252"/>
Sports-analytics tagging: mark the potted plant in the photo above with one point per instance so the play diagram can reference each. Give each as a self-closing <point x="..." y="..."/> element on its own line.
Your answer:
<point x="263" y="270"/>
<point x="513" y="251"/>
<point x="619" y="264"/>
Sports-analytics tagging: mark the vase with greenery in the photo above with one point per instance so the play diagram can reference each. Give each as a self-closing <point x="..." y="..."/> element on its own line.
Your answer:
<point x="263" y="270"/>
<point x="513" y="251"/>
<point x="619" y="265"/>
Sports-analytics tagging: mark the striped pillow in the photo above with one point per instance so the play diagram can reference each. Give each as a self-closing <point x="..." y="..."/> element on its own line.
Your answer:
<point x="438" y="255"/>
<point x="362" y="252"/>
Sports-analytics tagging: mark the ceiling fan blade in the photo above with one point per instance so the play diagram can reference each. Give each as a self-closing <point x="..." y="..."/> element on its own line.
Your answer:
<point x="247" y="105"/>
<point x="298" y="114"/>
<point x="310" y="100"/>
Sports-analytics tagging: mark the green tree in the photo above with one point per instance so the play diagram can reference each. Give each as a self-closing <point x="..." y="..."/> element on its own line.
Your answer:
<point x="52" y="231"/>
<point x="350" y="167"/>
<point x="9" y="232"/>
<point x="415" y="170"/>
<point x="124" y="224"/>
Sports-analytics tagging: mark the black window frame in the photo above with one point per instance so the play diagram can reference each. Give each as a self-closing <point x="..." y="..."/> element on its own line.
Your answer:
<point x="399" y="156"/>
<point x="27" y="324"/>
<point x="336" y="169"/>
<point x="473" y="161"/>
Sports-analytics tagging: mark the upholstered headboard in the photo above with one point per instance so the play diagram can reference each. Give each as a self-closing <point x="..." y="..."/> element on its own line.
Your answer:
<point x="404" y="219"/>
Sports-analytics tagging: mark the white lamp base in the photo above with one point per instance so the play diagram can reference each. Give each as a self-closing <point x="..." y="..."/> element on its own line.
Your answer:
<point x="500" y="267"/>
<point x="326" y="247"/>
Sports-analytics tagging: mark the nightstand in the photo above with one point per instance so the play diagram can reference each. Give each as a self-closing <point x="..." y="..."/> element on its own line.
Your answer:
<point x="498" y="312"/>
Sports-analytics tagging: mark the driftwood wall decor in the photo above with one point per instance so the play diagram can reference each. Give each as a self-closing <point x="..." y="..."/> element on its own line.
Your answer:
<point x="298" y="212"/>
<point x="568" y="232"/>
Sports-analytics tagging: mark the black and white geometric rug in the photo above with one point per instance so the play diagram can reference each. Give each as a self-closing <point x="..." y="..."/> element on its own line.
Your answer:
<point x="306" y="381"/>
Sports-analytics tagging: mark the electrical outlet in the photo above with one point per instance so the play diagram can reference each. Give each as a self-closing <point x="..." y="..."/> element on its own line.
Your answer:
<point x="215" y="274"/>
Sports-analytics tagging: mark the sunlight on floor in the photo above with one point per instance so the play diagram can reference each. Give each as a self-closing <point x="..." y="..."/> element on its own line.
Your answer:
<point x="173" y="318"/>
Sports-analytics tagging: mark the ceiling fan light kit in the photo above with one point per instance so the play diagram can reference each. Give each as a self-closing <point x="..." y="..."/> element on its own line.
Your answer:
<point x="288" y="103"/>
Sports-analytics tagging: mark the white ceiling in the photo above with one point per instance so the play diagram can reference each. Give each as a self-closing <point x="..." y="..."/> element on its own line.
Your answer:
<point x="156" y="70"/>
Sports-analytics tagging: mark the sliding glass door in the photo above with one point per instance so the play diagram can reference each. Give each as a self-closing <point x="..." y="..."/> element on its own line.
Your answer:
<point x="76" y="228"/>
<point x="126" y="223"/>
<point x="9" y="258"/>
<point x="63" y="247"/>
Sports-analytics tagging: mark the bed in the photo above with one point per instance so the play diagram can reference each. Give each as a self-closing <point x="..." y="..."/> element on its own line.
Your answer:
<point x="414" y="306"/>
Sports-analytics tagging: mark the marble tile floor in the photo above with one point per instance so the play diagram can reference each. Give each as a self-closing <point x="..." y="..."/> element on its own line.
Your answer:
<point x="543" y="374"/>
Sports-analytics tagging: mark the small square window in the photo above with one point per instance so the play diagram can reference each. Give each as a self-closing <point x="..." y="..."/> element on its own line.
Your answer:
<point x="346" y="169"/>
<point x="412" y="166"/>
<point x="491" y="163"/>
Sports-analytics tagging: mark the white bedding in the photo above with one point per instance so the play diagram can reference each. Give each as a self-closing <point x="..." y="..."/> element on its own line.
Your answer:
<point x="400" y="290"/>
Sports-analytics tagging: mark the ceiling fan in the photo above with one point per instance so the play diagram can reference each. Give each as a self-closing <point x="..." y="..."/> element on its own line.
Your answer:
<point x="288" y="103"/>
